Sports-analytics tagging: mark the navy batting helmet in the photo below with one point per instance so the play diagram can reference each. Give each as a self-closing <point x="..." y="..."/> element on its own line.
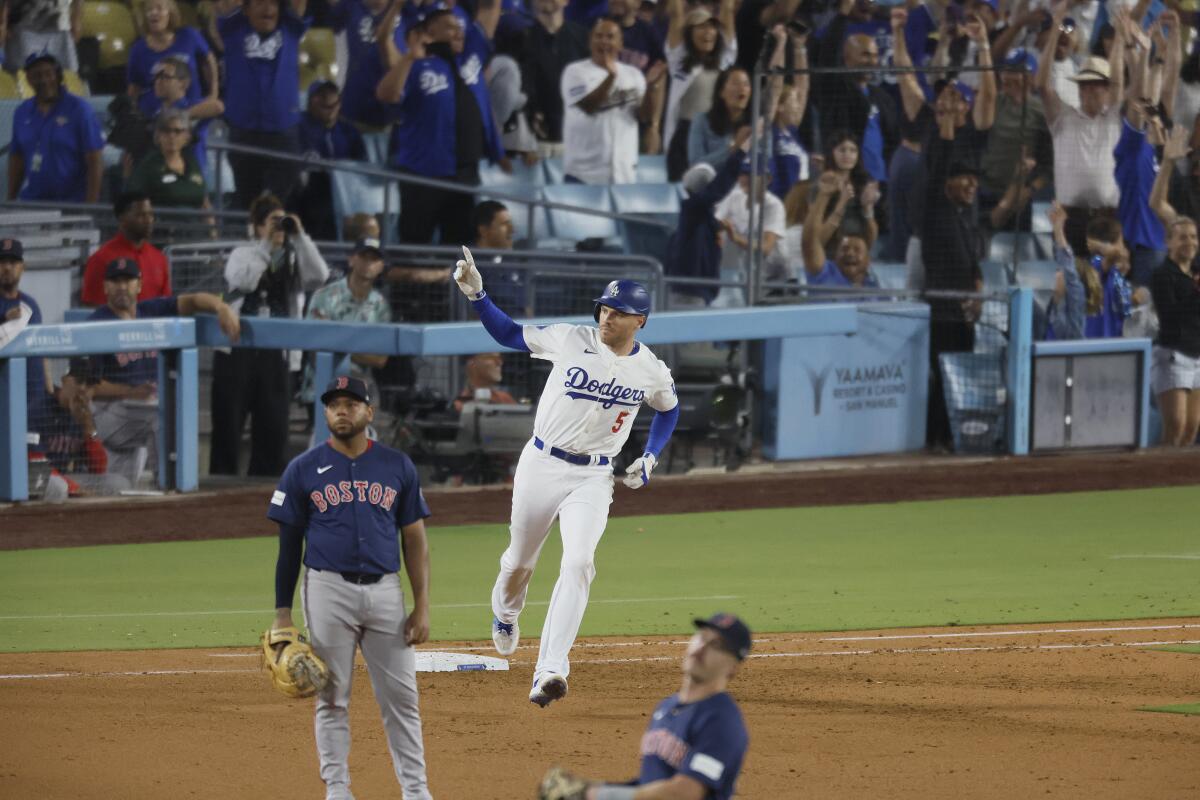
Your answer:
<point x="628" y="296"/>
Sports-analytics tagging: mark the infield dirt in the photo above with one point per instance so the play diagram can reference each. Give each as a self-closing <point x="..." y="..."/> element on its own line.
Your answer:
<point x="949" y="713"/>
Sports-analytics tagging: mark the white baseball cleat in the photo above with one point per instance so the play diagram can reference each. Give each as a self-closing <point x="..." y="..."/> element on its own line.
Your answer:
<point x="505" y="637"/>
<point x="550" y="688"/>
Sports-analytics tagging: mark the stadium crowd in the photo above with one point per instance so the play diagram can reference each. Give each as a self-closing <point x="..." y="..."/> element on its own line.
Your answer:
<point x="994" y="108"/>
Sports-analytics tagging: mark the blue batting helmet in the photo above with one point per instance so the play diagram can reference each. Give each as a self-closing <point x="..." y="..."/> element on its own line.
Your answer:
<point x="627" y="296"/>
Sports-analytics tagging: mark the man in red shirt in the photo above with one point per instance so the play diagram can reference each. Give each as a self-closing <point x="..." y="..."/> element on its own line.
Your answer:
<point x="135" y="222"/>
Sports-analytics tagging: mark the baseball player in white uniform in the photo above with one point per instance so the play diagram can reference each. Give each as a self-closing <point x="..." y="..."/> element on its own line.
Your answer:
<point x="601" y="377"/>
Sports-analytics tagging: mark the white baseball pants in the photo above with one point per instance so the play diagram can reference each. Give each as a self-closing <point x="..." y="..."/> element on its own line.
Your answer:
<point x="342" y="616"/>
<point x="545" y="487"/>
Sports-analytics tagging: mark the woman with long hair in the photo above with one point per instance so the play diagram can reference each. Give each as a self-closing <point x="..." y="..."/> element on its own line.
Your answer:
<point x="699" y="46"/>
<point x="164" y="35"/>
<point x="726" y="124"/>
<point x="853" y="211"/>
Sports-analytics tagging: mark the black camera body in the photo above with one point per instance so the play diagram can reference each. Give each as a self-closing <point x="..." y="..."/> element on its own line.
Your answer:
<point x="288" y="226"/>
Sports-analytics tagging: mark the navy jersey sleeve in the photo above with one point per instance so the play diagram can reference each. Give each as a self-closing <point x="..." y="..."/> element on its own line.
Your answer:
<point x="716" y="748"/>
<point x="289" y="504"/>
<point x="159" y="307"/>
<point x="410" y="505"/>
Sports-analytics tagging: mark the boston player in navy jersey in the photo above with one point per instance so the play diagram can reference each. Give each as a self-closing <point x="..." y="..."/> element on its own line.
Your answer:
<point x="696" y="742"/>
<point x="340" y="504"/>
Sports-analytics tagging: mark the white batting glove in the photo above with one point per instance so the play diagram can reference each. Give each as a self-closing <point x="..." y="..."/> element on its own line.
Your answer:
<point x="467" y="276"/>
<point x="637" y="474"/>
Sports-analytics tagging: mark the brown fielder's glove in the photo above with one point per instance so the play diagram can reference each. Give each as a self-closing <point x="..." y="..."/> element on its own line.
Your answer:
<point x="558" y="784"/>
<point x="295" y="669"/>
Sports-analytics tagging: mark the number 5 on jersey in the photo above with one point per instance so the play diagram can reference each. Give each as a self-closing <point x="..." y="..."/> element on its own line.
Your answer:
<point x="620" y="421"/>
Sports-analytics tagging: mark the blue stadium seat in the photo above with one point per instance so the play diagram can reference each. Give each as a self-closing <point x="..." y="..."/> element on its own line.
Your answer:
<point x="354" y="193"/>
<point x="576" y="227"/>
<point x="645" y="198"/>
<point x="973" y="385"/>
<point x="652" y="169"/>
<point x="1041" y="224"/>
<point x="995" y="275"/>
<point x="1004" y="244"/>
<point x="656" y="201"/>
<point x="554" y="170"/>
<point x="535" y="232"/>
<point x="491" y="175"/>
<point x="890" y="276"/>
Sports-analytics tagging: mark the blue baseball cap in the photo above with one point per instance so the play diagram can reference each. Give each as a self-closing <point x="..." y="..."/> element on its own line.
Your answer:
<point x="317" y="87"/>
<point x="41" y="55"/>
<point x="966" y="91"/>
<point x="420" y="14"/>
<point x="733" y="632"/>
<point x="1020" y="57"/>
<point x="348" y="386"/>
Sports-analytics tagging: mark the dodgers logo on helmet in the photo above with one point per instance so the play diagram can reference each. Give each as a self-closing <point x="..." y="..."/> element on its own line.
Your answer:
<point x="629" y="297"/>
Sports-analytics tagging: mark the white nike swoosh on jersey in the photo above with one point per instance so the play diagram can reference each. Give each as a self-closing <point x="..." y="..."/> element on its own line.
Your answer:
<point x="323" y="470"/>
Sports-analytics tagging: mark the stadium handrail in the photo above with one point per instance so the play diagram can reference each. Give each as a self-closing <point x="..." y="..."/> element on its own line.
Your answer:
<point x="495" y="192"/>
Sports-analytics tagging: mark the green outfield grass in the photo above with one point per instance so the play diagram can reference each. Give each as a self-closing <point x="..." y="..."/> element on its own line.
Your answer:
<point x="1086" y="556"/>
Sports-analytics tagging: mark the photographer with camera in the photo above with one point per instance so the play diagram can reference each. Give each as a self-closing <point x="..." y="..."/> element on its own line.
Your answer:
<point x="265" y="278"/>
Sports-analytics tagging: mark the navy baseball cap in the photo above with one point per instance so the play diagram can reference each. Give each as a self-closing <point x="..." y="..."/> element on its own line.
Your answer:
<point x="733" y="632"/>
<point x="11" y="250"/>
<point x="122" y="268"/>
<point x="368" y="246"/>
<point x="346" y="385"/>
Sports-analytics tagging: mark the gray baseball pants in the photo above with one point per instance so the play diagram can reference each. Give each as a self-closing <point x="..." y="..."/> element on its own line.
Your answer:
<point x="342" y="617"/>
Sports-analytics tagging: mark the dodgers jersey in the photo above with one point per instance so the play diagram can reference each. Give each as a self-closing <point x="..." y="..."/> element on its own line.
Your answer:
<point x="349" y="508"/>
<point x="593" y="395"/>
<point x="705" y="741"/>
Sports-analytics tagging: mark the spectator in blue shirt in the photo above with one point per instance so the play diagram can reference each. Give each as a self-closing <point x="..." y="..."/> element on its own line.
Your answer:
<point x="1109" y="297"/>
<point x="851" y="264"/>
<point x="727" y="120"/>
<point x="165" y="35"/>
<point x="172" y="88"/>
<point x="324" y="134"/>
<point x="56" y="144"/>
<point x="261" y="40"/>
<point x="359" y="20"/>
<point x="1064" y="317"/>
<point x="438" y="92"/>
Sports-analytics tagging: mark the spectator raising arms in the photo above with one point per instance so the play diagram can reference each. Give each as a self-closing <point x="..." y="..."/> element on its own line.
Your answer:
<point x="56" y="142"/>
<point x="164" y="35"/>
<point x="169" y="175"/>
<point x="438" y="92"/>
<point x="853" y="212"/>
<point x="699" y="47"/>
<point x="694" y="249"/>
<point x="851" y="265"/>
<point x="1084" y="138"/>
<point x="261" y="40"/>
<point x="789" y="159"/>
